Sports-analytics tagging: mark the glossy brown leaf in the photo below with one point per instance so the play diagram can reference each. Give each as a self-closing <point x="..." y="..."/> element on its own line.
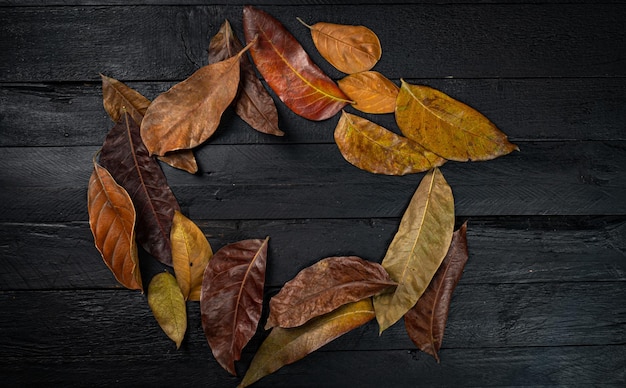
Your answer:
<point x="426" y="321"/>
<point x="418" y="247"/>
<point x="286" y="346"/>
<point x="112" y="223"/>
<point x="373" y="148"/>
<point x="168" y="306"/>
<point x="324" y="286"/>
<point x="448" y="127"/>
<point x="191" y="253"/>
<point x="351" y="49"/>
<point x="371" y="92"/>
<point x="289" y="70"/>
<point x="253" y="103"/>
<point x="232" y="298"/>
<point x="127" y="159"/>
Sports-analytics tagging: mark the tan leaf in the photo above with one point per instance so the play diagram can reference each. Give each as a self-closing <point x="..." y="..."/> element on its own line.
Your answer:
<point x="168" y="306"/>
<point x="373" y="148"/>
<point x="286" y="346"/>
<point x="418" y="247"/>
<point x="448" y="127"/>
<point x="191" y="253"/>
<point x="371" y="92"/>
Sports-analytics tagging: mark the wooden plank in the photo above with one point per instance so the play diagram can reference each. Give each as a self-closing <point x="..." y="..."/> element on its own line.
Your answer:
<point x="528" y="109"/>
<point x="496" y="40"/>
<point x="509" y="250"/>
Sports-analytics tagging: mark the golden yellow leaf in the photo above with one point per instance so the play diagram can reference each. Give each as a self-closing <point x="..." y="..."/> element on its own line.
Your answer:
<point x="371" y="91"/>
<point x="168" y="306"/>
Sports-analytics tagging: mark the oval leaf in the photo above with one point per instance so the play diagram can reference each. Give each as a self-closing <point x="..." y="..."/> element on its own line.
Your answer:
<point x="191" y="253"/>
<point x="232" y="298"/>
<point x="289" y="70"/>
<point x="286" y="346"/>
<point x="426" y="321"/>
<point x="112" y="223"/>
<point x="168" y="306"/>
<point x="351" y="49"/>
<point x="448" y="127"/>
<point x="371" y="92"/>
<point x="418" y="247"/>
<point x="373" y="148"/>
<point x="323" y="287"/>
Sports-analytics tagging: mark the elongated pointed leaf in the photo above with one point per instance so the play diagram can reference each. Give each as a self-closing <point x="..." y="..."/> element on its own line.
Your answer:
<point x="426" y="321"/>
<point x="418" y="247"/>
<point x="324" y="286"/>
<point x="191" y="253"/>
<point x="286" y="346"/>
<point x="351" y="49"/>
<point x="289" y="70"/>
<point x="232" y="298"/>
<point x="112" y="223"/>
<point x="253" y="103"/>
<point x="373" y="148"/>
<point x="371" y="92"/>
<point x="448" y="127"/>
<point x="127" y="159"/>
<point x="168" y="306"/>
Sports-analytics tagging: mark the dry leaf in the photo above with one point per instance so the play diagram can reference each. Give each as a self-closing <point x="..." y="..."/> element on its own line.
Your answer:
<point x="426" y="321"/>
<point x="351" y="49"/>
<point x="373" y="148"/>
<point x="371" y="92"/>
<point x="191" y="253"/>
<point x="112" y="223"/>
<point x="323" y="287"/>
<point x="289" y="70"/>
<point x="418" y="247"/>
<point x="232" y="298"/>
<point x="168" y="306"/>
<point x="286" y="346"/>
<point x="448" y="127"/>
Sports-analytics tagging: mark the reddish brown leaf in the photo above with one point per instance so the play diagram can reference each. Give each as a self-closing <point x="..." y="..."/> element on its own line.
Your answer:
<point x="426" y="321"/>
<point x="128" y="161"/>
<point x="253" y="103"/>
<point x="289" y="70"/>
<point x="323" y="287"/>
<point x="232" y="298"/>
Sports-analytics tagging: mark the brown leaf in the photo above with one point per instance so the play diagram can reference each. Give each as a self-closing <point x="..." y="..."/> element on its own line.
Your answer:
<point x="168" y="306"/>
<point x="371" y="92"/>
<point x="253" y="103"/>
<point x="112" y="223"/>
<point x="127" y="159"/>
<point x="289" y="70"/>
<point x="286" y="346"/>
<point x="191" y="253"/>
<point x="232" y="298"/>
<point x="182" y="160"/>
<point x="351" y="49"/>
<point x="448" y="127"/>
<point x="418" y="247"/>
<point x="373" y="148"/>
<point x="426" y="321"/>
<point x="323" y="287"/>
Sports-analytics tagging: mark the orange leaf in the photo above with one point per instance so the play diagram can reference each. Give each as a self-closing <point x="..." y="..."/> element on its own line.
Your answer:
<point x="371" y="92"/>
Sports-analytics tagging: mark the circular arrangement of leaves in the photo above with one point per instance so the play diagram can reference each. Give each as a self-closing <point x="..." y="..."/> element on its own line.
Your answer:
<point x="130" y="203"/>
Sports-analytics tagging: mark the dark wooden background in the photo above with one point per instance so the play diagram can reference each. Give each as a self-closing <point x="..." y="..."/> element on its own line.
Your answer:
<point x="542" y="301"/>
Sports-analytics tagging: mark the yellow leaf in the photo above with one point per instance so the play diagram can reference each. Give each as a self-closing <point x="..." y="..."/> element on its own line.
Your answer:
<point x="168" y="306"/>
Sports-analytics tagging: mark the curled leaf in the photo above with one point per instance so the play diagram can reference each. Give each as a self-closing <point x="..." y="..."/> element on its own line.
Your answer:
<point x="350" y="49"/>
<point x="232" y="298"/>
<point x="426" y="321"/>
<point x="286" y="346"/>
<point x="112" y="223"/>
<point x="191" y="253"/>
<point x="289" y="70"/>
<point x="448" y="127"/>
<point x="371" y="92"/>
<point x="373" y="148"/>
<point x="418" y="247"/>
<point x="168" y="306"/>
<point x="324" y="286"/>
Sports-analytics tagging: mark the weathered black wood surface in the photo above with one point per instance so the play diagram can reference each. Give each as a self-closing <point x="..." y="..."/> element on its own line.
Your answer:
<point x="542" y="299"/>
